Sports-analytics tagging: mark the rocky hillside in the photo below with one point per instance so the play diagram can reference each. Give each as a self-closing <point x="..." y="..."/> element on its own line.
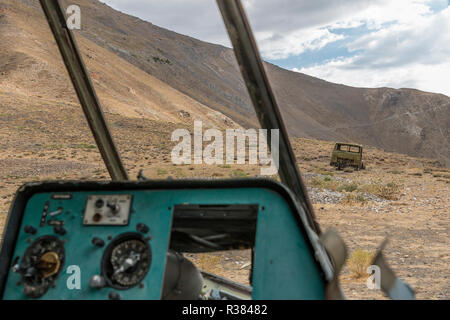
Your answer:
<point x="130" y="59"/>
<point x="30" y="65"/>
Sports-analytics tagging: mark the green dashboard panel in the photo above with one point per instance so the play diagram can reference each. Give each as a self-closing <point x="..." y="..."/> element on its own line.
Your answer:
<point x="283" y="268"/>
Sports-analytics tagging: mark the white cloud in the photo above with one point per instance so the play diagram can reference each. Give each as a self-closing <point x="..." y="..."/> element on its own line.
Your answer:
<point x="432" y="78"/>
<point x="384" y="11"/>
<point x="276" y="47"/>
<point x="407" y="45"/>
<point x="414" y="54"/>
<point x="426" y="40"/>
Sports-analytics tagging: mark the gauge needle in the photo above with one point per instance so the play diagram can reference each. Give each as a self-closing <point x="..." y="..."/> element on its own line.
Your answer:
<point x="129" y="262"/>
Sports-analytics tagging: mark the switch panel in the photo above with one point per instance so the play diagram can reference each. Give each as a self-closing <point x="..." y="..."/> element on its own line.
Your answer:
<point x="108" y="210"/>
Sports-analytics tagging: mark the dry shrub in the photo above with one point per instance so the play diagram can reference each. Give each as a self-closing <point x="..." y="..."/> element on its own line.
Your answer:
<point x="359" y="261"/>
<point x="324" y="172"/>
<point x="239" y="173"/>
<point x="348" y="187"/>
<point x="329" y="183"/>
<point x="352" y="199"/>
<point x="161" y="172"/>
<point x="388" y="191"/>
<point x="324" y="183"/>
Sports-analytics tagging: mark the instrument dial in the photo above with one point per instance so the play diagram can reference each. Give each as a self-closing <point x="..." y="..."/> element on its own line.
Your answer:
<point x="126" y="261"/>
<point x="41" y="265"/>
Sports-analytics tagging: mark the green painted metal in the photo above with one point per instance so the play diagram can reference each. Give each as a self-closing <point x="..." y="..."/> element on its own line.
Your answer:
<point x="283" y="268"/>
<point x="80" y="251"/>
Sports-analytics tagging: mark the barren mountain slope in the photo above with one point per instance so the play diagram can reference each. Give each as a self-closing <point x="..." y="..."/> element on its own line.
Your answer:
<point x="408" y="121"/>
<point x="30" y="65"/>
<point x="405" y="120"/>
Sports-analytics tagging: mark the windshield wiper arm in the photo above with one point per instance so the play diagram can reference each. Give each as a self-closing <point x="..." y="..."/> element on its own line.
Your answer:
<point x="84" y="89"/>
<point x="263" y="99"/>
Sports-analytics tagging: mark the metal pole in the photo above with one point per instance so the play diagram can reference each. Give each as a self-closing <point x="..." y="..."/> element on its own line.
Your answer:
<point x="263" y="99"/>
<point x="84" y="88"/>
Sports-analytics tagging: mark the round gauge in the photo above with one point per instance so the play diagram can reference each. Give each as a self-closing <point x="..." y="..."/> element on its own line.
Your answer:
<point x="126" y="261"/>
<point x="41" y="265"/>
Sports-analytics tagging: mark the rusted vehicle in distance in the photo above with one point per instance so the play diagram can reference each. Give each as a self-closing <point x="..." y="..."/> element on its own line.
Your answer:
<point x="347" y="155"/>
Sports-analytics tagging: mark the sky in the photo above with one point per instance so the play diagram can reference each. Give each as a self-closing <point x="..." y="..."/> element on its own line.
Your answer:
<point x="362" y="43"/>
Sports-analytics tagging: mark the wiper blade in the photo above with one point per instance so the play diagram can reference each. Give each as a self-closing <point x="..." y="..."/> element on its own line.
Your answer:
<point x="263" y="99"/>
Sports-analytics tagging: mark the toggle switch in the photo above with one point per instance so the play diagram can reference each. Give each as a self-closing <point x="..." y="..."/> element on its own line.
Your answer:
<point x="115" y="208"/>
<point x="56" y="213"/>
<point x="98" y="242"/>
